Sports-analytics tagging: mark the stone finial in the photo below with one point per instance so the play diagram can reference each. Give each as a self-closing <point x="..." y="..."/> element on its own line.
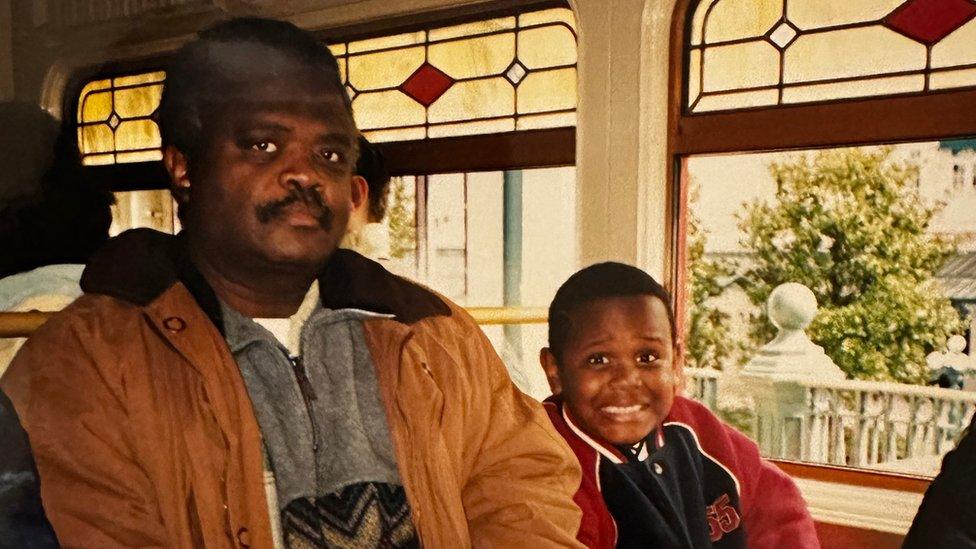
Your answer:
<point x="791" y="308"/>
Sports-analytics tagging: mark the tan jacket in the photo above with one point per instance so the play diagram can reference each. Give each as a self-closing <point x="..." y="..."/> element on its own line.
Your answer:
<point x="144" y="434"/>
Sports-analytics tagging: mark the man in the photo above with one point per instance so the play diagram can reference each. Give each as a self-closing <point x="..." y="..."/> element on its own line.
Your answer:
<point x="366" y="233"/>
<point x="247" y="365"/>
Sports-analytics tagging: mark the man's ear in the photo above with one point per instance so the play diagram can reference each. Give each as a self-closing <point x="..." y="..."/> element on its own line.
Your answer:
<point x="177" y="167"/>
<point x="360" y="192"/>
<point x="548" y="361"/>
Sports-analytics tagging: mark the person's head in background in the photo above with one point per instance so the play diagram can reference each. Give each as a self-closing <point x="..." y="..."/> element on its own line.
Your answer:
<point x="50" y="213"/>
<point x="374" y="179"/>
<point x="612" y="352"/>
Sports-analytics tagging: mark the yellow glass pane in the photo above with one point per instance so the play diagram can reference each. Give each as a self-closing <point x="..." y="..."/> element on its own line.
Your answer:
<point x="694" y="75"/>
<point x="95" y="107"/>
<point x="137" y="134"/>
<point x="469" y="29"/>
<point x="857" y="88"/>
<point x="472" y="128"/>
<point x="89" y="89"/>
<point x="474" y="99"/>
<point x="698" y="21"/>
<point x="141" y="101"/>
<point x="547" y="91"/>
<point x="139" y="156"/>
<point x="546" y="47"/>
<point x="385" y="109"/>
<point x="851" y="52"/>
<point x="383" y="42"/>
<point x="539" y="121"/>
<point x="98" y="160"/>
<point x="812" y="14"/>
<point x="560" y="15"/>
<point x="144" y="78"/>
<point x="736" y="19"/>
<point x="957" y="48"/>
<point x="747" y="65"/>
<point x="343" y="64"/>
<point x="738" y="100"/>
<point x="402" y="134"/>
<point x="338" y="49"/>
<point x="384" y="69"/>
<point x="474" y="57"/>
<point x="952" y="79"/>
<point x="95" y="139"/>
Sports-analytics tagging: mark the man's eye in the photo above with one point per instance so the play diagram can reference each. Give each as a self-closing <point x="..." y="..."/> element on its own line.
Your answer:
<point x="332" y="157"/>
<point x="264" y="146"/>
<point x="597" y="359"/>
<point x="646" y="358"/>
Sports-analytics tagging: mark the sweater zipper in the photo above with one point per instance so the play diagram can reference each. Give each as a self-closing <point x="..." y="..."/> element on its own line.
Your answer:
<point x="308" y="396"/>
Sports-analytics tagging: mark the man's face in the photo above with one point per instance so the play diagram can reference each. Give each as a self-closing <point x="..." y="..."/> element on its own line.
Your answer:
<point x="617" y="373"/>
<point x="273" y="185"/>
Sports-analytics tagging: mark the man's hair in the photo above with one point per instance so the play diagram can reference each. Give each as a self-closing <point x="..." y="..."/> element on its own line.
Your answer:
<point x="372" y="167"/>
<point x="50" y="212"/>
<point x="197" y="79"/>
<point x="599" y="281"/>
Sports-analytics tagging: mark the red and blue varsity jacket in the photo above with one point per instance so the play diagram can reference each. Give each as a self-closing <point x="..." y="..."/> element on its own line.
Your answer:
<point x="696" y="483"/>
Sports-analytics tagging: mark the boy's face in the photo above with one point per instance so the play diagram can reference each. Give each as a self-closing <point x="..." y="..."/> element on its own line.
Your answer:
<point x="617" y="373"/>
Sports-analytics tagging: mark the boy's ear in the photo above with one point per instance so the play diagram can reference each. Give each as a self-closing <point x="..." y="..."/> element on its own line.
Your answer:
<point x="548" y="361"/>
<point x="177" y="167"/>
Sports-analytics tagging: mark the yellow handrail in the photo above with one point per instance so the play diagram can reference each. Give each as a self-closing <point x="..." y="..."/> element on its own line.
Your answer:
<point x="24" y="324"/>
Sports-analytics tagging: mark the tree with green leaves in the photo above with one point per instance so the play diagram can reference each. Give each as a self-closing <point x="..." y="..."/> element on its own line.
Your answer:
<point x="709" y="342"/>
<point x="400" y="216"/>
<point x="850" y="225"/>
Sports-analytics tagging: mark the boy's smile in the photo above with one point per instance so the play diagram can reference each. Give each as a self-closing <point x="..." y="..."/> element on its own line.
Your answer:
<point x="616" y="373"/>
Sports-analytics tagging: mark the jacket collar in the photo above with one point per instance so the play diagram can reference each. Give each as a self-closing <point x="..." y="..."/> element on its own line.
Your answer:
<point x="140" y="264"/>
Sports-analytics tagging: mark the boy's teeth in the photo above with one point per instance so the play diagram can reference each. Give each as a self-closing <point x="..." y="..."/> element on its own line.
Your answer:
<point x="622" y="409"/>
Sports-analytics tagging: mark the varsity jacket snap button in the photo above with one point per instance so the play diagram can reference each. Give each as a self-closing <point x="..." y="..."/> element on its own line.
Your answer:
<point x="174" y="324"/>
<point x="658" y="469"/>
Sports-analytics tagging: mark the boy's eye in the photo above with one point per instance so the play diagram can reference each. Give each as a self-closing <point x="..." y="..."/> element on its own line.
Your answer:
<point x="646" y="358"/>
<point x="597" y="359"/>
<point x="264" y="146"/>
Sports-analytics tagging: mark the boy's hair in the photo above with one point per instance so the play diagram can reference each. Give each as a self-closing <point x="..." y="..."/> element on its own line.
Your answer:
<point x="599" y="281"/>
<point x="196" y="78"/>
<point x="372" y="167"/>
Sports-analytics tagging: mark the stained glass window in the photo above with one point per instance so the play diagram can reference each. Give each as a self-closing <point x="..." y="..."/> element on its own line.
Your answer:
<point x="497" y="75"/>
<point x="115" y="119"/>
<point x="754" y="53"/>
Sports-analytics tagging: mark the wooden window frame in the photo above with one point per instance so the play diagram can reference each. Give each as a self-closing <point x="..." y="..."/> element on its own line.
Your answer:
<point x="926" y="116"/>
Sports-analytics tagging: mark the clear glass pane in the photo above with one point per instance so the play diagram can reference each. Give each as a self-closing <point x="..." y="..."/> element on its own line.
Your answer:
<point x="98" y="159"/>
<point x="384" y="69"/>
<point x="338" y="49"/>
<point x="953" y="79"/>
<point x="737" y="19"/>
<point x="547" y="47"/>
<point x="812" y="14"/>
<point x="151" y="209"/>
<point x="739" y="100"/>
<point x="137" y="134"/>
<point x="539" y="121"/>
<point x="518" y="346"/>
<point x="856" y="88"/>
<point x="95" y="107"/>
<point x="748" y="65"/>
<point x="401" y="134"/>
<point x="139" y="156"/>
<point x="698" y="21"/>
<point x="469" y="29"/>
<point x="472" y="128"/>
<point x="559" y="15"/>
<point x="850" y="53"/>
<point x="473" y="57"/>
<point x="474" y="99"/>
<point x="137" y="79"/>
<point x="137" y="102"/>
<point x="957" y="48"/>
<point x="96" y="139"/>
<point x="385" y="109"/>
<point x="384" y="42"/>
<point x="694" y="75"/>
<point x="547" y="91"/>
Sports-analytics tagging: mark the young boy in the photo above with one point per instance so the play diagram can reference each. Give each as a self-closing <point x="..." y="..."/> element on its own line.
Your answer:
<point x="659" y="470"/>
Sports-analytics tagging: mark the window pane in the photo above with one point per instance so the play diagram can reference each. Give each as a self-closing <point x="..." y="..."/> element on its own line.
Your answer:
<point x="885" y="240"/>
<point x="474" y="99"/>
<point x="741" y="66"/>
<point x="812" y="14"/>
<point x="116" y="117"/>
<point x="854" y="52"/>
<point x="741" y="19"/>
<point x="548" y="91"/>
<point x="152" y="209"/>
<point x="385" y="69"/>
<point x="474" y="57"/>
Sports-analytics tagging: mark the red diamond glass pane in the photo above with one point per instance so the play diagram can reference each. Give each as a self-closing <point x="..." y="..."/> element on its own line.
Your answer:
<point x="427" y="84"/>
<point x="929" y="21"/>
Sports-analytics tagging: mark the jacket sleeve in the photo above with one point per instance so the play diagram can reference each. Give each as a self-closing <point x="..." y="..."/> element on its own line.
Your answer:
<point x="70" y="398"/>
<point x="520" y="490"/>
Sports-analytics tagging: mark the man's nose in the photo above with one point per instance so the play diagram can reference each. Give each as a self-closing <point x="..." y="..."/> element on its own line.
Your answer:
<point x="298" y="171"/>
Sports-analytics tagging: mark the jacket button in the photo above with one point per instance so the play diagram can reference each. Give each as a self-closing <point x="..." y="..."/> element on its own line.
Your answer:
<point x="658" y="468"/>
<point x="174" y="324"/>
<point x="244" y="537"/>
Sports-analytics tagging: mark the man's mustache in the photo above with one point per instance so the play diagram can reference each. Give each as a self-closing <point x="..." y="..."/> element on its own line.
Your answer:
<point x="309" y="196"/>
